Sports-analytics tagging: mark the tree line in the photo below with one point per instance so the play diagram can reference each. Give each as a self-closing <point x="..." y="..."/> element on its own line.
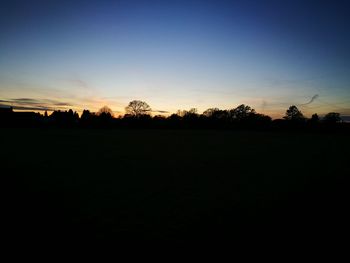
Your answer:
<point x="138" y="115"/>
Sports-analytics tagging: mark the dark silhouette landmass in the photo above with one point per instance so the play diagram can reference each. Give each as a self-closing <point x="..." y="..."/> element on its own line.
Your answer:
<point x="220" y="176"/>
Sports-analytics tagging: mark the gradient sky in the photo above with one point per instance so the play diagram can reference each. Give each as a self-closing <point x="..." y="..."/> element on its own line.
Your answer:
<point x="176" y="54"/>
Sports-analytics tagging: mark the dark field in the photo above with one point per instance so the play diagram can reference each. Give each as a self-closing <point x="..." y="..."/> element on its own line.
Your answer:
<point x="174" y="185"/>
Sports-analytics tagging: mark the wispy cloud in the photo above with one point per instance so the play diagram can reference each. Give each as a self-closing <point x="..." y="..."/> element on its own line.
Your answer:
<point x="29" y="108"/>
<point x="34" y="104"/>
<point x="76" y="81"/>
<point x="160" y="111"/>
<point x="314" y="97"/>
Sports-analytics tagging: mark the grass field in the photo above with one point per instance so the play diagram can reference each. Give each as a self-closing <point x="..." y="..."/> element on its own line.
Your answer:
<point x="174" y="185"/>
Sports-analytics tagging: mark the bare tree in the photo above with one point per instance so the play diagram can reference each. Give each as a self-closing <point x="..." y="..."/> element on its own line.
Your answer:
<point x="137" y="108"/>
<point x="105" y="111"/>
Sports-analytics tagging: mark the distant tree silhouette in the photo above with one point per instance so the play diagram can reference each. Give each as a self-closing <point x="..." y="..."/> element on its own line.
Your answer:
<point x="76" y="116"/>
<point x="104" y="118"/>
<point x="105" y="112"/>
<point x="137" y="108"/>
<point x="86" y="115"/>
<point x="137" y="116"/>
<point x="294" y="114"/>
<point x="159" y="118"/>
<point x="315" y="118"/>
<point x="181" y="113"/>
<point x="174" y="116"/>
<point x="216" y="115"/>
<point x="210" y="112"/>
<point x="191" y="115"/>
<point x="174" y="120"/>
<point x="314" y="121"/>
<point x="241" y="112"/>
<point x="87" y="118"/>
<point x="64" y="118"/>
<point x="258" y="120"/>
<point x="332" y="117"/>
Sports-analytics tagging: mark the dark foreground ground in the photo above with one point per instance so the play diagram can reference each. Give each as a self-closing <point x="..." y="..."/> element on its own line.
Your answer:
<point x="174" y="185"/>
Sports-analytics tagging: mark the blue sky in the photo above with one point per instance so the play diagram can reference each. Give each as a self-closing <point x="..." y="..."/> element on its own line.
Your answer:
<point x="176" y="54"/>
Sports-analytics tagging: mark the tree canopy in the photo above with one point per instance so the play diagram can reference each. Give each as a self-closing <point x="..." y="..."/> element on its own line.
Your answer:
<point x="241" y="112"/>
<point x="105" y="111"/>
<point x="293" y="114"/>
<point x="332" y="117"/>
<point x="137" y="108"/>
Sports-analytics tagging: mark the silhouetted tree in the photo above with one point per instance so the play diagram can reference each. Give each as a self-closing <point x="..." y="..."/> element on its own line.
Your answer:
<point x="181" y="113"/>
<point x="258" y="120"/>
<point x="137" y="108"/>
<point x="192" y="111"/>
<point x="174" y="120"/>
<point x="64" y="118"/>
<point x="104" y="117"/>
<point x="105" y="112"/>
<point x="210" y="112"/>
<point x="216" y="113"/>
<point x="85" y="115"/>
<point x="294" y="114"/>
<point x="241" y="112"/>
<point x="191" y="114"/>
<point x="314" y="121"/>
<point x="174" y="116"/>
<point x="315" y="118"/>
<point x="332" y="117"/>
<point x="159" y="118"/>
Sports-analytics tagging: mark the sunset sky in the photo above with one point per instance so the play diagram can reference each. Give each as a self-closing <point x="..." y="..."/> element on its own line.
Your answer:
<point x="176" y="55"/>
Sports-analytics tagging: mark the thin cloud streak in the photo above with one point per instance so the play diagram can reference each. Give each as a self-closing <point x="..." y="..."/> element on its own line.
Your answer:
<point x="28" y="108"/>
<point x="34" y="104"/>
<point x="314" y="97"/>
<point x="76" y="81"/>
<point x="160" y="111"/>
<point x="74" y="102"/>
<point x="30" y="101"/>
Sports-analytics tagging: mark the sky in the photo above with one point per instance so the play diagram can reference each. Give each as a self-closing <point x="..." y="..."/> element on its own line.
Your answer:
<point x="176" y="55"/>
